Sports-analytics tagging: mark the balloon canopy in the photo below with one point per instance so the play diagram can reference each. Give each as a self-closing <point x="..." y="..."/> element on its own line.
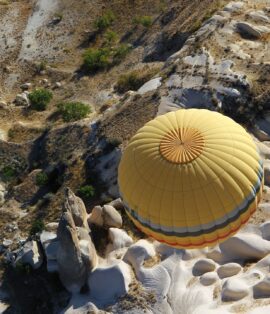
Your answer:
<point x="191" y="178"/>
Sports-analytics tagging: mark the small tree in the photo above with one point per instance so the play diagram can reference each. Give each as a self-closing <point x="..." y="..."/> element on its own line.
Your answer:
<point x="40" y="99"/>
<point x="73" y="111"/>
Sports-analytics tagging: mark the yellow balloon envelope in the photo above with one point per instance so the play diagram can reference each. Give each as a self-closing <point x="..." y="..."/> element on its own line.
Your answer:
<point x="191" y="178"/>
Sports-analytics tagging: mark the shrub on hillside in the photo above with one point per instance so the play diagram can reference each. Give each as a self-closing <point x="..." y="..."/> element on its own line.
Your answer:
<point x="40" y="99"/>
<point x="104" y="58"/>
<point x="87" y="191"/>
<point x="111" y="37"/>
<point x="121" y="52"/>
<point x="104" y="21"/>
<point x="37" y="226"/>
<point x="96" y="59"/>
<point x="73" y="111"/>
<point x="145" y="20"/>
<point x="7" y="173"/>
<point x="134" y="80"/>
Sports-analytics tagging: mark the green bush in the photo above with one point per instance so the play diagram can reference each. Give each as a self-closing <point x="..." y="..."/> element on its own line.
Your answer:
<point x="103" y="58"/>
<point x="37" y="226"/>
<point x="96" y="59"/>
<point x="120" y="52"/>
<point x="145" y="20"/>
<point x="42" y="179"/>
<point x="73" y="111"/>
<point x="104" y="21"/>
<point x="111" y="37"/>
<point x="8" y="173"/>
<point x="40" y="99"/>
<point x="87" y="191"/>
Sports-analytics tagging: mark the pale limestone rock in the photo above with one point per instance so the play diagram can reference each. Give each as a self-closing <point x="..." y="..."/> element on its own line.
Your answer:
<point x="228" y="270"/>
<point x="203" y="266"/>
<point x="234" y="289"/>
<point x="208" y="279"/>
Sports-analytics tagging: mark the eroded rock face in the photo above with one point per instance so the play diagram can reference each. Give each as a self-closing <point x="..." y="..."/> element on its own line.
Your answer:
<point x="75" y="206"/>
<point x="106" y="216"/>
<point x="76" y="254"/>
<point x="30" y="254"/>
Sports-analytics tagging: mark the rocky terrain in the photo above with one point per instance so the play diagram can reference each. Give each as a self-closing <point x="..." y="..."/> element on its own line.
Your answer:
<point x="66" y="243"/>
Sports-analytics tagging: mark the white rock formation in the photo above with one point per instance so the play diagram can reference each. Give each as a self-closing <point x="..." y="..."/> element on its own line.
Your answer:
<point x="228" y="270"/>
<point x="107" y="284"/>
<point x="203" y="266"/>
<point x="209" y="278"/>
<point x="245" y="246"/>
<point x="30" y="254"/>
<point x="234" y="289"/>
<point x="139" y="252"/>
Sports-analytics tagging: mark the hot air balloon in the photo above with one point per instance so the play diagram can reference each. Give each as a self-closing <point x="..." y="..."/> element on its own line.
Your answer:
<point x="191" y="178"/>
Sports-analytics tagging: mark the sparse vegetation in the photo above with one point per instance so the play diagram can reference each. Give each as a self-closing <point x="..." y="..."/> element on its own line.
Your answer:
<point x="111" y="37"/>
<point x="134" y="80"/>
<point x="121" y="52"/>
<point x="145" y="20"/>
<point x="42" y="179"/>
<point x="73" y="111"/>
<point x="86" y="191"/>
<point x="96" y="59"/>
<point x="37" y="226"/>
<point x="41" y="66"/>
<point x="103" y="58"/>
<point x="104" y="21"/>
<point x="40" y="99"/>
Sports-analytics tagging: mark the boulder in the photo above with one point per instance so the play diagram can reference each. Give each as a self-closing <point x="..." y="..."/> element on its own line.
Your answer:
<point x="245" y="246"/>
<point x="76" y="255"/>
<point x="262" y="288"/>
<point x="228" y="270"/>
<point x="51" y="226"/>
<point x="248" y="30"/>
<point x="138" y="252"/>
<point x="22" y="100"/>
<point x="111" y="217"/>
<point x="259" y="16"/>
<point x="150" y="86"/>
<point x="107" y="284"/>
<point x="96" y="216"/>
<point x="26" y="86"/>
<point x="30" y="254"/>
<point x="234" y="6"/>
<point x="3" y="104"/>
<point x="234" y="290"/>
<point x="265" y="230"/>
<point x="76" y="207"/>
<point x="119" y="238"/>
<point x="208" y="279"/>
<point x="117" y="204"/>
<point x="203" y="266"/>
<point x="7" y="242"/>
